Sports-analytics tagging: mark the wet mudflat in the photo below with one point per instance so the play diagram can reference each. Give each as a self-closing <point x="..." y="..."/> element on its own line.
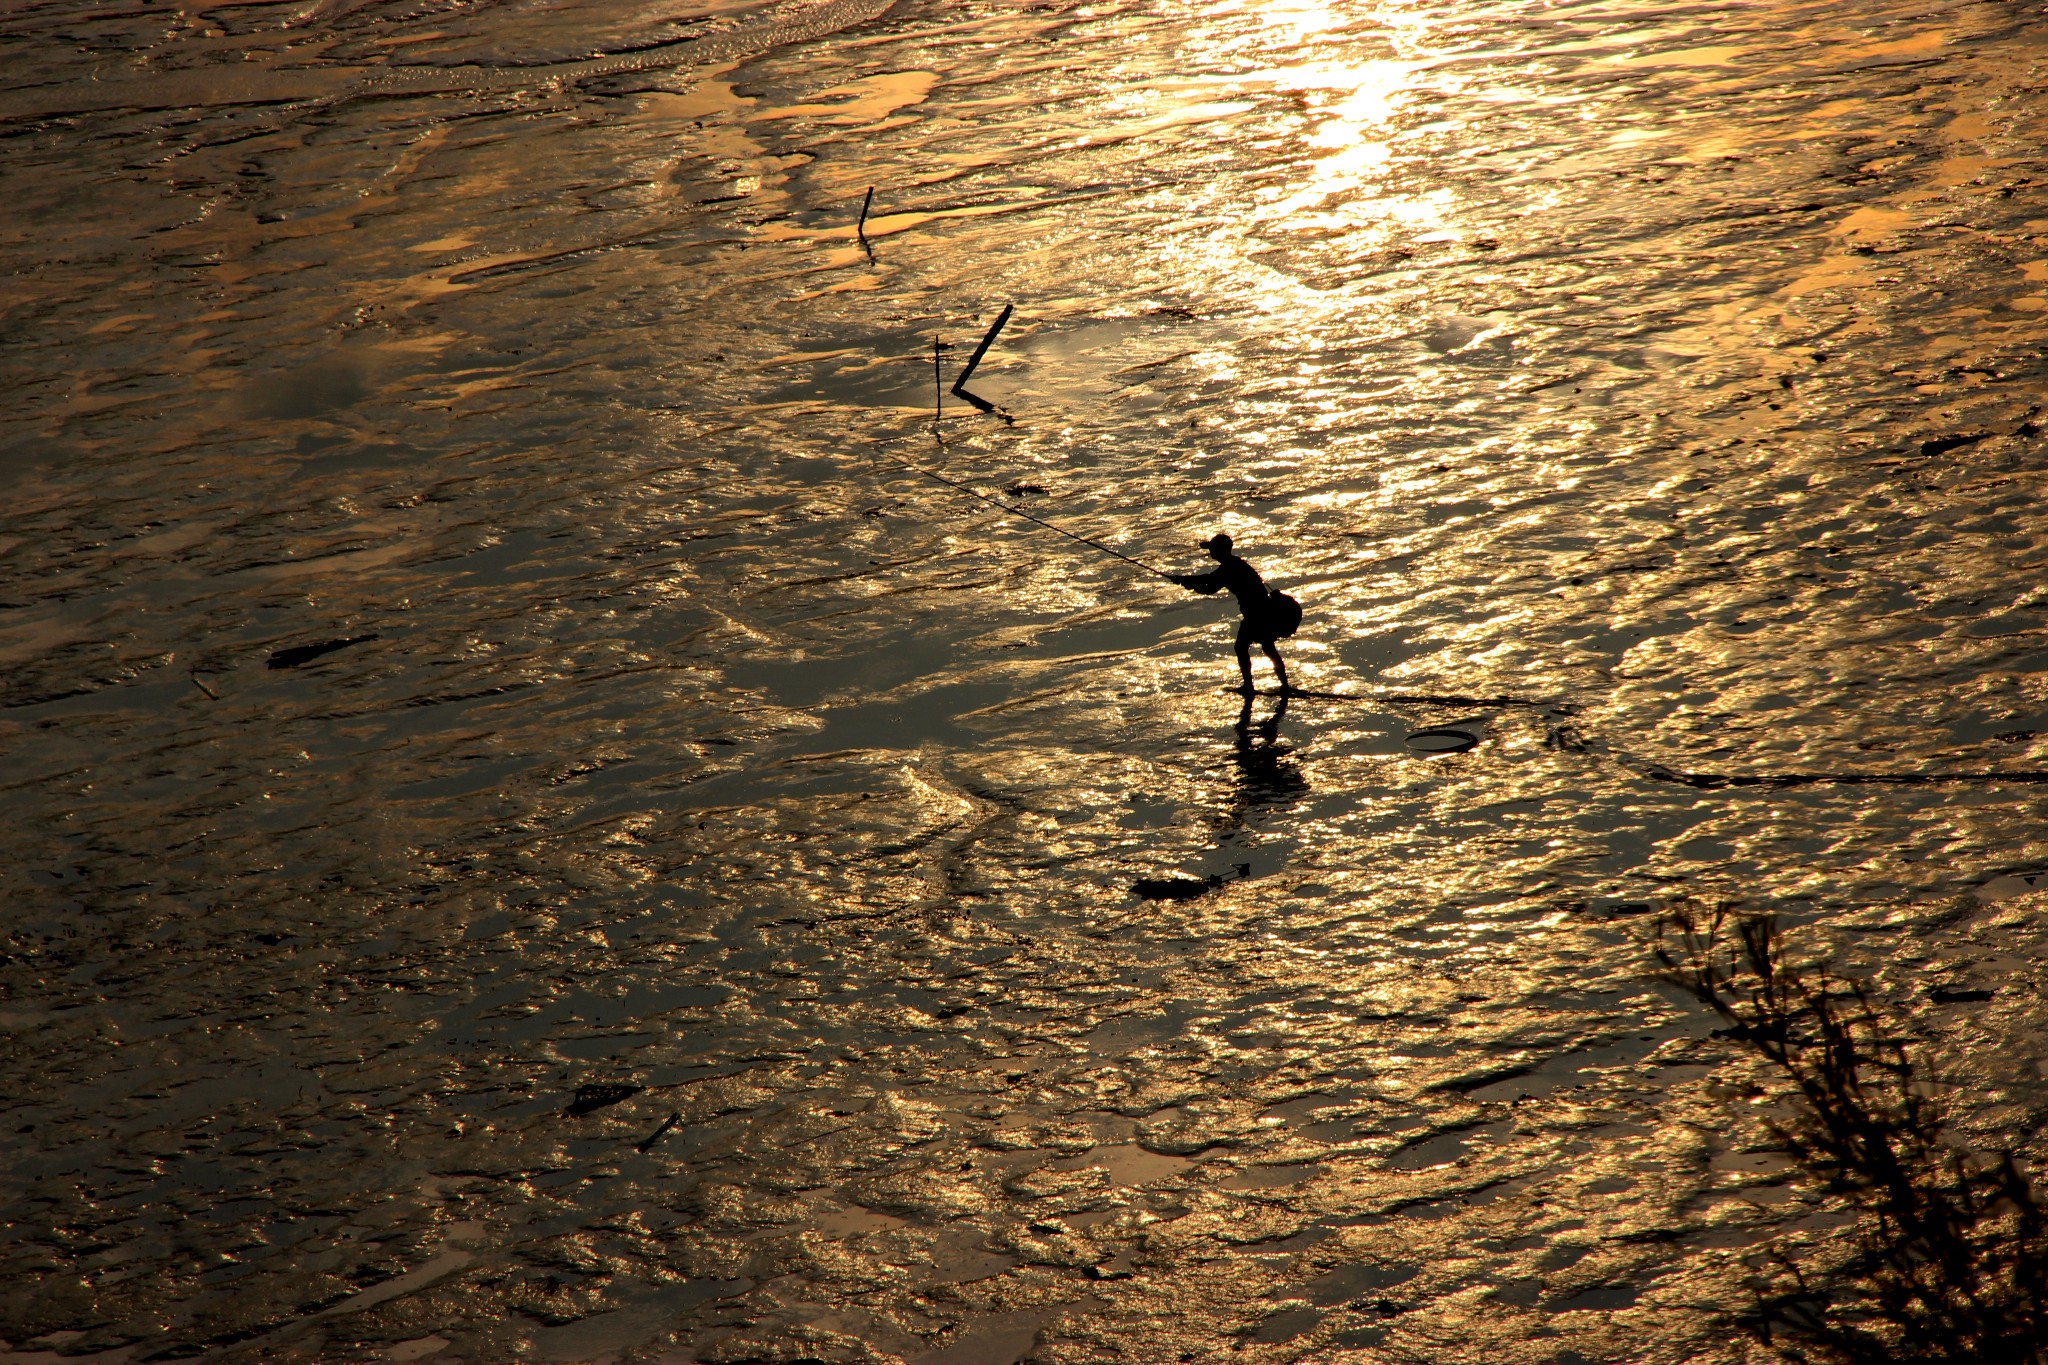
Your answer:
<point x="476" y="686"/>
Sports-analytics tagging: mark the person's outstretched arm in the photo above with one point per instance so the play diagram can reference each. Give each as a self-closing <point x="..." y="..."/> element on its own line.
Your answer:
<point x="1203" y="583"/>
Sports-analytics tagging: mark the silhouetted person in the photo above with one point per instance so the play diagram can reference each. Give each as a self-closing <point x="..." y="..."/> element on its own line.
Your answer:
<point x="1260" y="623"/>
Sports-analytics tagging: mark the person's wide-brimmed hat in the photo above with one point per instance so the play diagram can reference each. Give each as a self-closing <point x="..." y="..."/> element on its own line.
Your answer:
<point x="1219" y="541"/>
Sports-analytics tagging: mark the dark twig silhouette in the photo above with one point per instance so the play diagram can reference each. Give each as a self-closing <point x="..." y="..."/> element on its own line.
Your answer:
<point x="646" y="1144"/>
<point x="1775" y="781"/>
<point x="967" y="372"/>
<point x="988" y="339"/>
<point x="1952" y="1265"/>
<point x="860" y="229"/>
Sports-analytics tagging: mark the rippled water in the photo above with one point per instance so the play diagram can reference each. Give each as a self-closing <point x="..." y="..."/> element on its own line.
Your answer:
<point x="1650" y="391"/>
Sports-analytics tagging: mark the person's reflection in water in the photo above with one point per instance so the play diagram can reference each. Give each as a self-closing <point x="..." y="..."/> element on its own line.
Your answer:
<point x="1266" y="776"/>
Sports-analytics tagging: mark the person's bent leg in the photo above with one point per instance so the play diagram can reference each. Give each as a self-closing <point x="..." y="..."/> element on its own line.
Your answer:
<point x="1279" y="669"/>
<point x="1244" y="661"/>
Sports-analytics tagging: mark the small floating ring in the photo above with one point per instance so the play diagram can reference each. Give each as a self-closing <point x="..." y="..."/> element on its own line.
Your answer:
<point x="1444" y="741"/>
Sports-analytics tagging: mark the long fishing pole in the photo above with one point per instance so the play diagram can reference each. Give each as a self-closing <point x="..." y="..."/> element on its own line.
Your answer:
<point x="1020" y="512"/>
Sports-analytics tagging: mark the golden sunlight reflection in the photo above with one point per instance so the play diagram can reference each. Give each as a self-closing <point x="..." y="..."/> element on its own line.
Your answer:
<point x="518" y="639"/>
<point x="1331" y="84"/>
<point x="1349" y="103"/>
<point x="1337" y="64"/>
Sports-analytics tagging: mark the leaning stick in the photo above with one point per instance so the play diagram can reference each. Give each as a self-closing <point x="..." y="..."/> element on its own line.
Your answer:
<point x="982" y="350"/>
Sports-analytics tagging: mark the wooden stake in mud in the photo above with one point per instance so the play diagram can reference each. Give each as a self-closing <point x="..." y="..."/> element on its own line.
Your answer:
<point x="987" y="340"/>
<point x="648" y="1142"/>
<point x="960" y="389"/>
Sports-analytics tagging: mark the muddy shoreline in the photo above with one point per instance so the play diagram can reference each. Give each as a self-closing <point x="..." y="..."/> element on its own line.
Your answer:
<point x="476" y="689"/>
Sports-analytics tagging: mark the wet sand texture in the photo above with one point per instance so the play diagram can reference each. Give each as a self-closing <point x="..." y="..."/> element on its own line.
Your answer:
<point x="526" y="838"/>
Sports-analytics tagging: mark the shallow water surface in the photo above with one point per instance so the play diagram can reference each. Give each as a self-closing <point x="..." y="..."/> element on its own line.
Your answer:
<point x="1650" y="393"/>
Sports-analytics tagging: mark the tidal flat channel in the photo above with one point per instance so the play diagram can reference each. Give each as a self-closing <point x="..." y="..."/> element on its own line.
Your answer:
<point x="529" y="835"/>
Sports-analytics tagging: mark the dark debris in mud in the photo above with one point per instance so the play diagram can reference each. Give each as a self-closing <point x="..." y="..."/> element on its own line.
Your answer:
<point x="1174" y="888"/>
<point x="591" y="1098"/>
<point x="298" y="655"/>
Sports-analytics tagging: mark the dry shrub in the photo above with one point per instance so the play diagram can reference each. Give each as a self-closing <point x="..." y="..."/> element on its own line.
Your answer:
<point x="1952" y="1257"/>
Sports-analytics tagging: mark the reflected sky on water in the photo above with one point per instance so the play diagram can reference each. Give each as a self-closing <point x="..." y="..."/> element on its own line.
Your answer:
<point x="1648" y="392"/>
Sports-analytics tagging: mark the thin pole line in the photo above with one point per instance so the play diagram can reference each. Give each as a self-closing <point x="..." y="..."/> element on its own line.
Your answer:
<point x="1020" y="512"/>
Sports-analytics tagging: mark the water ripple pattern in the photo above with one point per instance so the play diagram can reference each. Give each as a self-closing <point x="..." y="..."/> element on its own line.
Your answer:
<point x="478" y="683"/>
